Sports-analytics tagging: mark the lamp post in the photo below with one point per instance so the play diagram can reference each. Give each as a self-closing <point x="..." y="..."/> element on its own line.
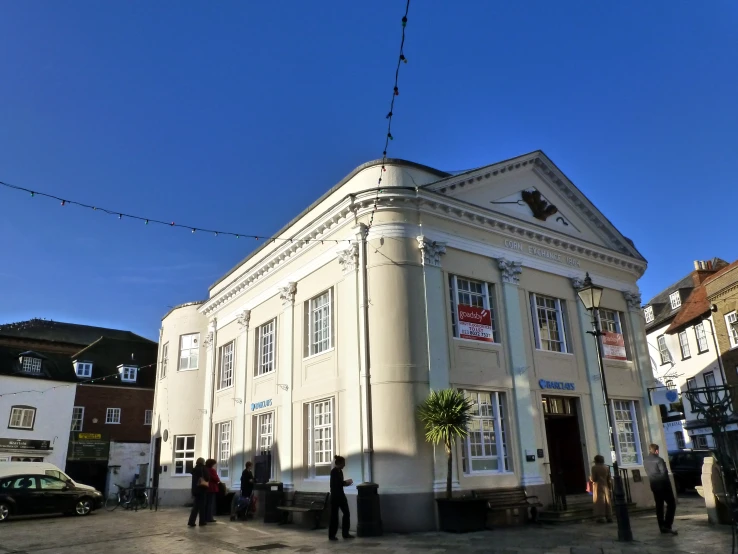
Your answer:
<point x="590" y="295"/>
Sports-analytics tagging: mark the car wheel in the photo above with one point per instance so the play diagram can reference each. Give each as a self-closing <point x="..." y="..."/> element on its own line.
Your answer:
<point x="4" y="511"/>
<point x="83" y="507"/>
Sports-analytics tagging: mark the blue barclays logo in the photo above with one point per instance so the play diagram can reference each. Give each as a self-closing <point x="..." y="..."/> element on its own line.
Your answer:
<point x="260" y="405"/>
<point x="557" y="385"/>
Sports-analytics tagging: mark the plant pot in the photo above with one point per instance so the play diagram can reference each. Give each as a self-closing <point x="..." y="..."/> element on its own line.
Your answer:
<point x="462" y="515"/>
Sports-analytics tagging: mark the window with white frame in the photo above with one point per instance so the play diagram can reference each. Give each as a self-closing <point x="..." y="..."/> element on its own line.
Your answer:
<point x="31" y="364"/>
<point x="320" y="437"/>
<point x="83" y="369"/>
<point x="610" y="321"/>
<point x="265" y="347"/>
<point x="223" y="443"/>
<point x="225" y="369"/>
<point x="663" y="350"/>
<point x="679" y="437"/>
<point x="148" y="417"/>
<point x="184" y="454"/>
<point x="699" y="331"/>
<point x="112" y="416"/>
<point x="675" y="300"/>
<point x="22" y="417"/>
<point x="548" y="323"/>
<point x="164" y="360"/>
<point x="128" y="374"/>
<point x="730" y="319"/>
<point x="474" y="294"/>
<point x="684" y="345"/>
<point x="319" y="323"/>
<point x="78" y="417"/>
<point x="648" y="314"/>
<point x="699" y="441"/>
<point x="709" y="378"/>
<point x="626" y="424"/>
<point x="485" y="450"/>
<point x="265" y="436"/>
<point x="189" y="351"/>
<point x="691" y="384"/>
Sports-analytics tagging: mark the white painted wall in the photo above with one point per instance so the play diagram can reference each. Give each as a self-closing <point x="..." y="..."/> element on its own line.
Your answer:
<point x="53" y="414"/>
<point x="129" y="456"/>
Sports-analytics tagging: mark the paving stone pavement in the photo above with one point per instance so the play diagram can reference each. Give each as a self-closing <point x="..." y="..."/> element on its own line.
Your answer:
<point x="165" y="532"/>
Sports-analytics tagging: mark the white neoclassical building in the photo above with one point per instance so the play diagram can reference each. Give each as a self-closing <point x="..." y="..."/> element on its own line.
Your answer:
<point x="310" y="347"/>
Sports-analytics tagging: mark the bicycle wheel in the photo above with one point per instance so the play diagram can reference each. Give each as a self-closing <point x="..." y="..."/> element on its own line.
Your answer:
<point x="112" y="502"/>
<point x="143" y="501"/>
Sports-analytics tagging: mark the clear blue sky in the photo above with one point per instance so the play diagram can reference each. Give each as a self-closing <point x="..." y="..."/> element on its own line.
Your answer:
<point x="238" y="114"/>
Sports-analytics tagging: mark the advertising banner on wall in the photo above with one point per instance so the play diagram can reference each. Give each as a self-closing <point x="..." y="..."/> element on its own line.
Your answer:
<point x="475" y="323"/>
<point x="88" y="447"/>
<point x="613" y="346"/>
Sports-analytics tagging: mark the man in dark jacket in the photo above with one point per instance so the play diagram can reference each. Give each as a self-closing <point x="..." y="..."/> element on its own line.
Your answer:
<point x="658" y="475"/>
<point x="199" y="493"/>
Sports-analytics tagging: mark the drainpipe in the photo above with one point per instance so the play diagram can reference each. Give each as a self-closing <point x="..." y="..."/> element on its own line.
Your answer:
<point x="364" y="362"/>
<point x="214" y="360"/>
<point x="245" y="322"/>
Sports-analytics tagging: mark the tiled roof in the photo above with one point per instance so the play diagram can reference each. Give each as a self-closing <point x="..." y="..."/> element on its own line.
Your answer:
<point x="694" y="307"/>
<point x="57" y="331"/>
<point x="56" y="367"/>
<point x="661" y="305"/>
<point x="720" y="272"/>
<point x="106" y="354"/>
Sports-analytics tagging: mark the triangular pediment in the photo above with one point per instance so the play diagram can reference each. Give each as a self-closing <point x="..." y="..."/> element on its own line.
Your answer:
<point x="531" y="189"/>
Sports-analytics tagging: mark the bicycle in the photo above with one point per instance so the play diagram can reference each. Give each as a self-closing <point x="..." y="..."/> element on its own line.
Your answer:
<point x="131" y="498"/>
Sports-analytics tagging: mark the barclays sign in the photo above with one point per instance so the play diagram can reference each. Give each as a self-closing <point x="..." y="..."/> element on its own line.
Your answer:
<point x="555" y="385"/>
<point x="260" y="405"/>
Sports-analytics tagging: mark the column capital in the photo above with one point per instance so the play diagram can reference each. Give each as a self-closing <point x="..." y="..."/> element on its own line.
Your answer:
<point x="208" y="342"/>
<point x="510" y="271"/>
<point x="361" y="230"/>
<point x="577" y="283"/>
<point x="430" y="251"/>
<point x="287" y="294"/>
<point x="349" y="258"/>
<point x="633" y="300"/>
<point x="243" y="319"/>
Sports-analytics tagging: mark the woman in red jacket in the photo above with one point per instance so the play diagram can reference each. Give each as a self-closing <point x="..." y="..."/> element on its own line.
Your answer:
<point x="213" y="485"/>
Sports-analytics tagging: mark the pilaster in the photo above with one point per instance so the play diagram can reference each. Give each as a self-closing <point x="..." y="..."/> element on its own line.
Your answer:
<point x="520" y="366"/>
<point x="207" y="403"/>
<point x="285" y="371"/>
<point x="240" y="384"/>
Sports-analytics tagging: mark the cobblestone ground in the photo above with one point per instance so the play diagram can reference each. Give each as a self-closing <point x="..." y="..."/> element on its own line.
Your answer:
<point x="165" y="532"/>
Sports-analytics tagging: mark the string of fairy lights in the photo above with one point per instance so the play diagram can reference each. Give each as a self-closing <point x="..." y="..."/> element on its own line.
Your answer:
<point x="120" y="214"/>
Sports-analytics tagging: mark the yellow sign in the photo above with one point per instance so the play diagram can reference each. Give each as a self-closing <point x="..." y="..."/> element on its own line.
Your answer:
<point x="90" y="436"/>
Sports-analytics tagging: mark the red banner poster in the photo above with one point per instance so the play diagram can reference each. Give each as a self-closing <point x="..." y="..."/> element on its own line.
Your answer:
<point x="475" y="323"/>
<point x="613" y="346"/>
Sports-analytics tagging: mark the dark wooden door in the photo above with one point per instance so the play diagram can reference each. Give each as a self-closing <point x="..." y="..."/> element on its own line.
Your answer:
<point x="565" y="452"/>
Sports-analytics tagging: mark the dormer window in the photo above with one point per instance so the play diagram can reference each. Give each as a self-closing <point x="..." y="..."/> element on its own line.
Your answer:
<point x="83" y="369"/>
<point x="675" y="299"/>
<point x="128" y="373"/>
<point x="30" y="364"/>
<point x="648" y="314"/>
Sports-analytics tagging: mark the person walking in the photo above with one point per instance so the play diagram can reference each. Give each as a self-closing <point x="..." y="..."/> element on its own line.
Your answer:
<point x="200" y="478"/>
<point x="601" y="481"/>
<point x="658" y="476"/>
<point x="247" y="489"/>
<point x="213" y="490"/>
<point x="338" y="500"/>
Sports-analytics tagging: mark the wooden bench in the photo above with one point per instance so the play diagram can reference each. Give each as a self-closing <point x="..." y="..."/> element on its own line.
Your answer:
<point x="510" y="499"/>
<point x="303" y="503"/>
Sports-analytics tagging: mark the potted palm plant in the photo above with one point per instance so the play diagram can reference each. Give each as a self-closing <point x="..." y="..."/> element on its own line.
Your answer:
<point x="446" y="415"/>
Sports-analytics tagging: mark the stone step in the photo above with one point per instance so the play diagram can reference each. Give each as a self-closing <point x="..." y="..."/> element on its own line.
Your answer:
<point x="577" y="514"/>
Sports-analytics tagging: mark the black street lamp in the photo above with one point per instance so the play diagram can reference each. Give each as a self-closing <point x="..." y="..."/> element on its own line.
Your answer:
<point x="590" y="295"/>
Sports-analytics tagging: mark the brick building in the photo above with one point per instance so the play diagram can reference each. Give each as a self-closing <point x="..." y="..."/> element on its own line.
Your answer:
<point x="722" y="294"/>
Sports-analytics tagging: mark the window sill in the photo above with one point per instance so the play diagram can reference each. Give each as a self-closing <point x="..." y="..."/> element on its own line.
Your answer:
<point x="21" y="428"/>
<point x="554" y="352"/>
<point x="703" y="352"/>
<point x="687" y="358"/>
<point x="224" y="388"/>
<point x="477" y="342"/>
<point x="271" y="373"/>
<point x="112" y="423"/>
<point x="489" y="474"/>
<point x="319" y="354"/>
<point x="189" y="369"/>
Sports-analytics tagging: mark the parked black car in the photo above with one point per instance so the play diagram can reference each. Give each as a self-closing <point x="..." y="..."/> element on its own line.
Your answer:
<point x="686" y="465"/>
<point x="43" y="494"/>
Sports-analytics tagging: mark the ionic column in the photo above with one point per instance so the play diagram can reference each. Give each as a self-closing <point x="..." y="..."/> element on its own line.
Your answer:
<point x="284" y="384"/>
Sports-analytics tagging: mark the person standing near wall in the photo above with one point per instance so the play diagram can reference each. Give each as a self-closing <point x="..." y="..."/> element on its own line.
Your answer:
<point x="200" y="479"/>
<point x="601" y="482"/>
<point x="658" y="475"/>
<point x="338" y="500"/>
<point x="213" y="489"/>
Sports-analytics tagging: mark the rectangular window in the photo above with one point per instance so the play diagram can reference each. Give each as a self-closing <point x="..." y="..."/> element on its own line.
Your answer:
<point x="265" y="347"/>
<point x="548" y="323"/>
<point x="675" y="299"/>
<point x="83" y="369"/>
<point x="148" y="417"/>
<point x="485" y="448"/>
<point x="189" y="351"/>
<point x="626" y="424"/>
<point x="699" y="331"/>
<point x="319" y="323"/>
<point x="184" y="454"/>
<point x="709" y="377"/>
<point x="730" y="319"/>
<point x="31" y="365"/>
<point x="684" y="345"/>
<point x="223" y="441"/>
<point x="663" y="350"/>
<point x="648" y="314"/>
<point x="112" y="416"/>
<point x="78" y="417"/>
<point x="22" y="417"/>
<point x="225" y="370"/>
<point x="128" y="374"/>
<point x="610" y="321"/>
<point x="265" y="436"/>
<point x="700" y="442"/>
<point x="164" y="359"/>
<point x="472" y="310"/>
<point x="320" y="438"/>
<point x="679" y="437"/>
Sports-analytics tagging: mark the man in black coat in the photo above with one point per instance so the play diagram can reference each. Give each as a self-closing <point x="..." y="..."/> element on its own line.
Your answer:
<point x="658" y="475"/>
<point x="199" y="493"/>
